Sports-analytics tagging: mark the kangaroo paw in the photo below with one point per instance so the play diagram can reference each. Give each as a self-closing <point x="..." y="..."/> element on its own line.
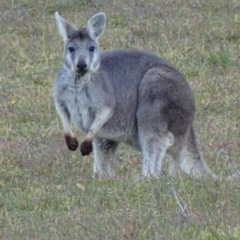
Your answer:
<point x="86" y="147"/>
<point x="71" y="142"/>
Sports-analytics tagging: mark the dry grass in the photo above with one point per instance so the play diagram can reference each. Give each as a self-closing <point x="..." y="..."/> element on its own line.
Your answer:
<point x="46" y="192"/>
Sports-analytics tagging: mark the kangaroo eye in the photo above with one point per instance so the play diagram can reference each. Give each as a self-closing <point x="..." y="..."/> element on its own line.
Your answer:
<point x="71" y="49"/>
<point x="91" y="48"/>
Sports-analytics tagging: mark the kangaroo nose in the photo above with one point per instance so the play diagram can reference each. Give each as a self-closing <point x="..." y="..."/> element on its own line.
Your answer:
<point x="82" y="65"/>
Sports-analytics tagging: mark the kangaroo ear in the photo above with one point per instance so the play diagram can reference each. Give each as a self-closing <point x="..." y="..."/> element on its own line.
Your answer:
<point x="65" y="28"/>
<point x="96" y="25"/>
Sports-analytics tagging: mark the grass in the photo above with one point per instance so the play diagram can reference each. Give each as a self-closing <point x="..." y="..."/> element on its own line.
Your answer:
<point x="46" y="192"/>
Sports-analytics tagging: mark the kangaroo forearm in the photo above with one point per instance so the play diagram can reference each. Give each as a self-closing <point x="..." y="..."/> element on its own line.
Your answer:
<point x="70" y="139"/>
<point x="98" y="123"/>
<point x="64" y="119"/>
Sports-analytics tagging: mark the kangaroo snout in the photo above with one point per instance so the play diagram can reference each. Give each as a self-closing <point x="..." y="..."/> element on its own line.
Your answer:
<point x="82" y="67"/>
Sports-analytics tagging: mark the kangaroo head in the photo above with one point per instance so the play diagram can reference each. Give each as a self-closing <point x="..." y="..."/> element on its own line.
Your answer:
<point x="81" y="53"/>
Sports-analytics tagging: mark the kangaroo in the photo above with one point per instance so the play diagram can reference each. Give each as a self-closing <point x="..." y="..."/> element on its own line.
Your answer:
<point x="126" y="96"/>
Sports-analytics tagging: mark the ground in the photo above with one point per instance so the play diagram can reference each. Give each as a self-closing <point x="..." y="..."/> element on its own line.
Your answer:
<point x="47" y="192"/>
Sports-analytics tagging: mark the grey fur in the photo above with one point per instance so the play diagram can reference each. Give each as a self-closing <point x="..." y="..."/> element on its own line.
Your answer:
<point x="124" y="96"/>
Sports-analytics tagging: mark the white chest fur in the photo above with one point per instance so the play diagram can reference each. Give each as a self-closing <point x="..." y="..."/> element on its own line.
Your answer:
<point x="78" y="102"/>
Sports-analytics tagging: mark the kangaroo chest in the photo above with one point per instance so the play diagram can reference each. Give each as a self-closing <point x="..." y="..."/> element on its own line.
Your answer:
<point x="79" y="105"/>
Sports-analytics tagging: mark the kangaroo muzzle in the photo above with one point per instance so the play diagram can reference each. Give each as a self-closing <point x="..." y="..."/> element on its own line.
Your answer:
<point x="81" y="67"/>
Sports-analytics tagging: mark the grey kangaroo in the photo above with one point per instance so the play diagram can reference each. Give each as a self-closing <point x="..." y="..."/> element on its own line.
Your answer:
<point x="124" y="96"/>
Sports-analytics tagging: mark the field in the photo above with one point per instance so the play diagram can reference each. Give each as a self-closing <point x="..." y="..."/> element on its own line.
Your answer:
<point x="47" y="192"/>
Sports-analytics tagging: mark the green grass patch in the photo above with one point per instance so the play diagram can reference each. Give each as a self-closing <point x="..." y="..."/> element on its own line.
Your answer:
<point x="47" y="192"/>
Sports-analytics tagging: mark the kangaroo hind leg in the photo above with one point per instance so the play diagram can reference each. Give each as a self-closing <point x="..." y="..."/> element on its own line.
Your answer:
<point x="104" y="157"/>
<point x="153" y="133"/>
<point x="154" y="148"/>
